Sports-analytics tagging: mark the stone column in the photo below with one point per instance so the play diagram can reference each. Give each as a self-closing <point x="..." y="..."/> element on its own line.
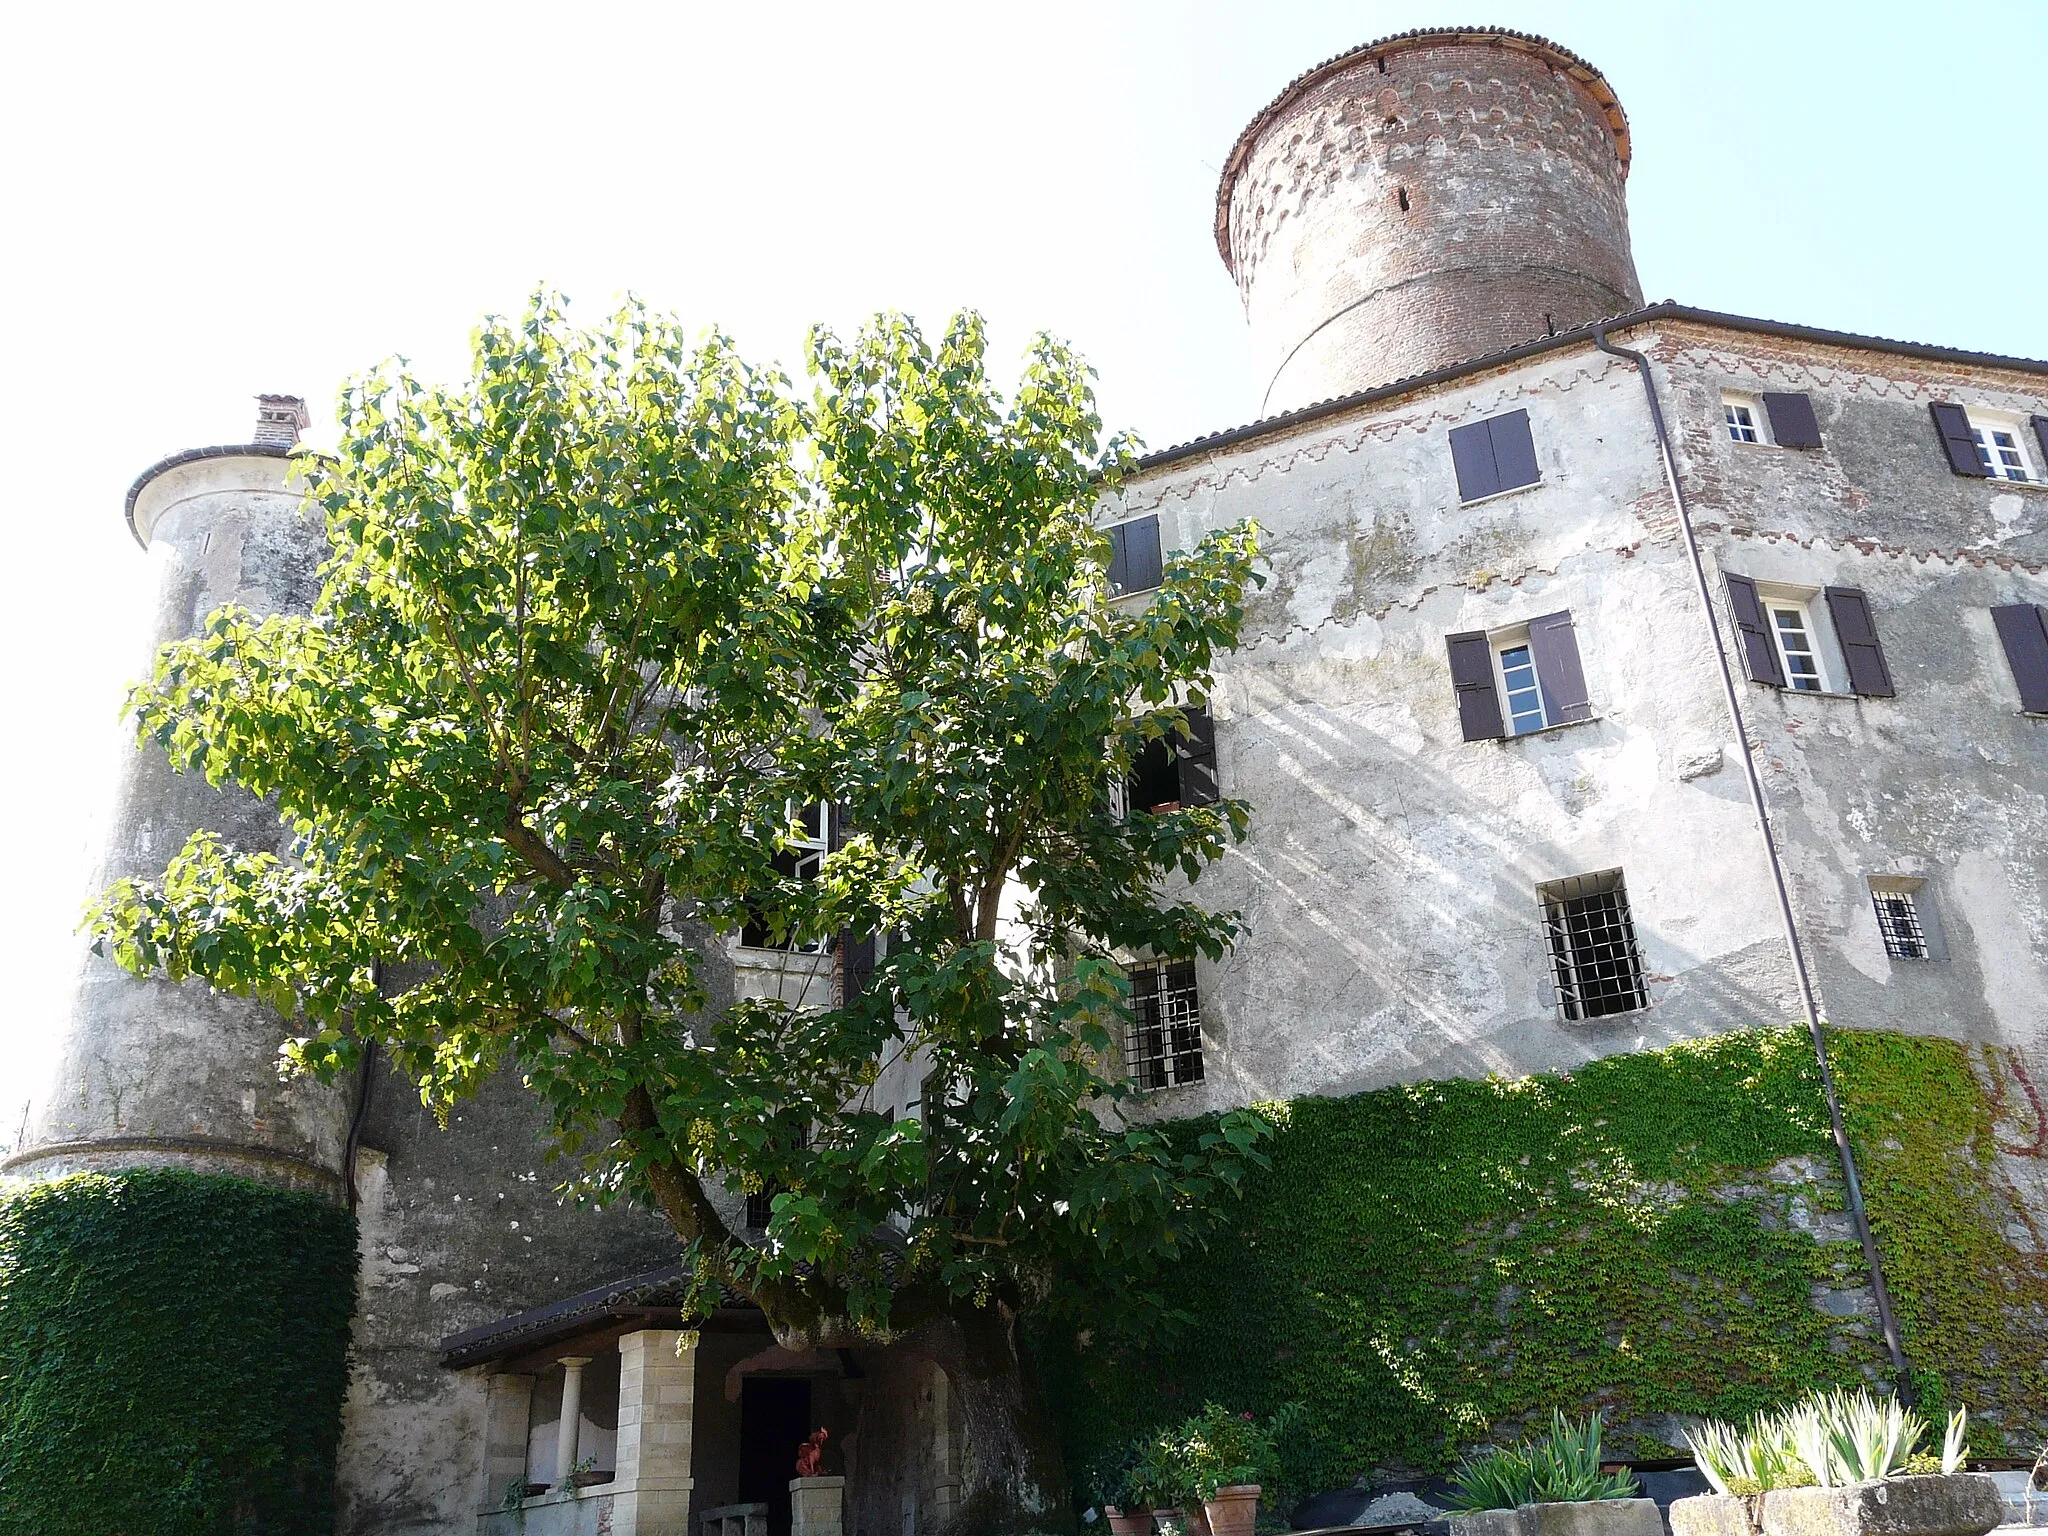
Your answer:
<point x="572" y="1413"/>
<point x="815" y="1504"/>
<point x="657" y="1398"/>
<point x="507" y="1401"/>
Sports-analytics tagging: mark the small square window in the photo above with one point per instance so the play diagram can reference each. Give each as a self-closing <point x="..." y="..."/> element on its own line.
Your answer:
<point x="1163" y="1046"/>
<point x="1743" y="418"/>
<point x="1594" y="959"/>
<point x="1898" y="920"/>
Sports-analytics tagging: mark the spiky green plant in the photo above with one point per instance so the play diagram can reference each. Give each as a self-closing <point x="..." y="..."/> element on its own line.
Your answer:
<point x="1834" y="1439"/>
<point x="1954" y="1447"/>
<point x="1561" y="1467"/>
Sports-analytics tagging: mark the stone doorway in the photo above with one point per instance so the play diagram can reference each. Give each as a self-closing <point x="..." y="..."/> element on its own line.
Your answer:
<point x="775" y="1419"/>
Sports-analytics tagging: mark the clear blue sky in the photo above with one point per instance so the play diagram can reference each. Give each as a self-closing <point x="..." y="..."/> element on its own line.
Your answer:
<point x="205" y="201"/>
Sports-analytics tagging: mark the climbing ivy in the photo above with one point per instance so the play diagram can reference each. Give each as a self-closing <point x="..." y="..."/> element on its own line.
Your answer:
<point x="1428" y="1265"/>
<point x="1972" y="1305"/>
<point x="173" y="1356"/>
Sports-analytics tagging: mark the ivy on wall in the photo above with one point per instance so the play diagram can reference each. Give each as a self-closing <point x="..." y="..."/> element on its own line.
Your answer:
<point x="173" y="1356"/>
<point x="1425" y="1266"/>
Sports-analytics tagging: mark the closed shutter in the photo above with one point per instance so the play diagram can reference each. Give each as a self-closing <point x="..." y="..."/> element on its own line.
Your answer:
<point x="1792" y="422"/>
<point x="1472" y="678"/>
<point x="857" y="961"/>
<point x="1953" y="423"/>
<point x="1857" y="635"/>
<point x="2025" y="637"/>
<point x="1514" y="450"/>
<point x="1141" y="554"/>
<point x="1472" y="457"/>
<point x="1198" y="782"/>
<point x="2040" y="426"/>
<point x="1554" y="648"/>
<point x="1759" y="650"/>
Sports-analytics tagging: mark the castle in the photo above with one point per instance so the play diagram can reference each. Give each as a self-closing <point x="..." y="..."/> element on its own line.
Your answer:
<point x="1567" y="591"/>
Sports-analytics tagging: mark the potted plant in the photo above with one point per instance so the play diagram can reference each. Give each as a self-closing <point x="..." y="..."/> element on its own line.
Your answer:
<point x="1160" y="1474"/>
<point x="1551" y="1485"/>
<point x="1230" y="1458"/>
<point x="1117" y="1481"/>
<point x="1836" y="1464"/>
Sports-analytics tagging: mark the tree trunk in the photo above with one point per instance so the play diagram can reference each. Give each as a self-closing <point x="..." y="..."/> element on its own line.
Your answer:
<point x="1012" y="1476"/>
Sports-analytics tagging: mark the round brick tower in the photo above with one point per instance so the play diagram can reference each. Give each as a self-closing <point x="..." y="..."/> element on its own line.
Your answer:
<point x="1425" y="199"/>
<point x="153" y="1073"/>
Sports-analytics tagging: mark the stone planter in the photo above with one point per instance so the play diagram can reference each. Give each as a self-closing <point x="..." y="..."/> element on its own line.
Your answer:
<point x="1965" y="1504"/>
<point x="1171" y="1522"/>
<point x="1233" y="1510"/>
<point x="1128" y="1522"/>
<point x="1592" y="1517"/>
<point x="1716" y="1514"/>
<point x="1197" y="1519"/>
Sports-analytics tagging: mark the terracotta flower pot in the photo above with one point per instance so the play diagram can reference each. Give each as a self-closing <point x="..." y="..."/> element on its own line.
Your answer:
<point x="1233" y="1511"/>
<point x="1197" y="1518"/>
<point x="1129" y="1522"/>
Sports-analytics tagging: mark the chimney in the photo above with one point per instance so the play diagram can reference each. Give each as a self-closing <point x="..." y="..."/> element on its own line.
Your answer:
<point x="280" y="419"/>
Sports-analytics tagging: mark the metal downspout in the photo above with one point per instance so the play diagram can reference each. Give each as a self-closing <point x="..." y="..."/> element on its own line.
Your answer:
<point x="1732" y="697"/>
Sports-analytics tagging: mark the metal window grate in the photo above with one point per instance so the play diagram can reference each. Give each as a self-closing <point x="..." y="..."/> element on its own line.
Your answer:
<point x="1898" y="919"/>
<point x="1593" y="950"/>
<point x="1163" y="1047"/>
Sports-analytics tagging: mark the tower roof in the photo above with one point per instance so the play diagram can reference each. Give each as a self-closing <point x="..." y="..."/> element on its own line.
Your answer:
<point x="1562" y="59"/>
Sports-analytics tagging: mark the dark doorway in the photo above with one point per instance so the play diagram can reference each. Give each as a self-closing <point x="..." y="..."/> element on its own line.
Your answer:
<point x="775" y="1419"/>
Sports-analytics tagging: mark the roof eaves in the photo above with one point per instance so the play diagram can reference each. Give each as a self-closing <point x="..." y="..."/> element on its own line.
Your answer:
<point x="193" y="456"/>
<point x="1666" y="309"/>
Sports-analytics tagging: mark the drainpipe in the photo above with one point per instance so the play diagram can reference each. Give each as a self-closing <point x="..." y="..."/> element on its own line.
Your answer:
<point x="1732" y="698"/>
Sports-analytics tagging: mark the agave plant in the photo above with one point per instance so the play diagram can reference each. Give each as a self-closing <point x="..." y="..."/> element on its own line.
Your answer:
<point x="1833" y="1438"/>
<point x="1953" y="1446"/>
<point x="1561" y="1467"/>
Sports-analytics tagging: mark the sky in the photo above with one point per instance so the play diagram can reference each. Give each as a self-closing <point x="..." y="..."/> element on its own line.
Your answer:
<point x="206" y="201"/>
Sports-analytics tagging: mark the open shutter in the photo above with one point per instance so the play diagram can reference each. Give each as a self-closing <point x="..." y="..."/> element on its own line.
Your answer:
<point x="1554" y="648"/>
<point x="1141" y="554"/>
<point x="2024" y="635"/>
<point x="1472" y="457"/>
<point x="2040" y="426"/>
<point x="1514" y="450"/>
<point x="1472" y="678"/>
<point x="857" y="959"/>
<point x="1759" y="650"/>
<point x="1198" y="783"/>
<point x="1953" y="423"/>
<point x="1792" y="423"/>
<point x="1119" y="558"/>
<point x="1857" y="635"/>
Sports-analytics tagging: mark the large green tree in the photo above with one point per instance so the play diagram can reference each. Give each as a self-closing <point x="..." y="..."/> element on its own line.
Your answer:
<point x="597" y="627"/>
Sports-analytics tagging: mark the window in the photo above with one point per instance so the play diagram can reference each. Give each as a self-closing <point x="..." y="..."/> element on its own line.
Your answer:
<point x="1791" y="628"/>
<point x="1494" y="455"/>
<point x="1898" y="920"/>
<point x="1790" y="641"/>
<point x="1741" y="418"/>
<point x="1992" y="445"/>
<point x="1163" y="1048"/>
<point x="1176" y="771"/>
<point x="2023" y="632"/>
<point x="801" y="859"/>
<point x="1785" y="420"/>
<point x="1509" y="682"/>
<point x="1135" y="564"/>
<point x="1520" y="695"/>
<point x="1593" y="953"/>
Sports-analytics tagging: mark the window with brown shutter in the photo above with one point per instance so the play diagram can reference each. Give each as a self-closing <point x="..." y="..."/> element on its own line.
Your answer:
<point x="2040" y="426"/>
<point x="1472" y="682"/>
<point x="1135" y="563"/>
<point x="1554" y="647"/>
<point x="1494" y="455"/>
<point x="1958" y="439"/>
<point x="1176" y="771"/>
<point x="1792" y="421"/>
<point x="1759" y="650"/>
<point x="1198" y="782"/>
<point x="1856" y="634"/>
<point x="2023" y="632"/>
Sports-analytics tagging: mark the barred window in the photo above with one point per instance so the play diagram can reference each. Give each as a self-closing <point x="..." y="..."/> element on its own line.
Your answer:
<point x="1163" y="1048"/>
<point x="1898" y="920"/>
<point x="1593" y="952"/>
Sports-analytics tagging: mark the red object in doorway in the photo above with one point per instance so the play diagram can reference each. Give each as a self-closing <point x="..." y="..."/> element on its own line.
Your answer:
<point x="810" y="1456"/>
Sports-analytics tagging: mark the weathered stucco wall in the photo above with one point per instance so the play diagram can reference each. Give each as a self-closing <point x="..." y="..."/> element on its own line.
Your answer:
<point x="1389" y="883"/>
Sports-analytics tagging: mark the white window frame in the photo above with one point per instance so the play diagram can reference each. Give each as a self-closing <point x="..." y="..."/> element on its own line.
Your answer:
<point x="1759" y="419"/>
<point x="1504" y="641"/>
<point x="1998" y="459"/>
<point x="1831" y="672"/>
<point x="810" y="854"/>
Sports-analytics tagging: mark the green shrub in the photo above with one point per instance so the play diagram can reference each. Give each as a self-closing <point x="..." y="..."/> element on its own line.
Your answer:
<point x="1561" y="1467"/>
<point x="173" y="1356"/>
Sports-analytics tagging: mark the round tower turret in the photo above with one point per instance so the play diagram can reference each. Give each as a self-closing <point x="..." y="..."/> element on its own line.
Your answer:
<point x="152" y="1073"/>
<point x="1422" y="200"/>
